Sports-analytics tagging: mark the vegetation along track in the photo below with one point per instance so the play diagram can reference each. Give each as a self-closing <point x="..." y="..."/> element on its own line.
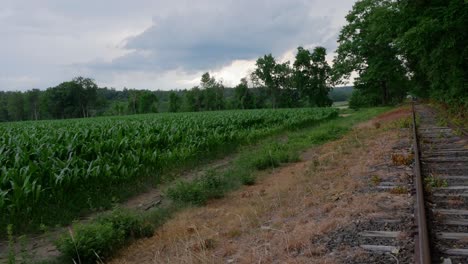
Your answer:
<point x="444" y="167"/>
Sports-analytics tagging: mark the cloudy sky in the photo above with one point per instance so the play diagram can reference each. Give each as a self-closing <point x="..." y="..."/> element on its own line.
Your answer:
<point x="155" y="44"/>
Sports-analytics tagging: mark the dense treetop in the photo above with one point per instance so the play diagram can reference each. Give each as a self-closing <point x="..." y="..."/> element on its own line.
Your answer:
<point x="405" y="46"/>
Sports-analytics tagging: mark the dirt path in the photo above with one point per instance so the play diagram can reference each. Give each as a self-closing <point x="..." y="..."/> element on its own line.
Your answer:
<point x="307" y="212"/>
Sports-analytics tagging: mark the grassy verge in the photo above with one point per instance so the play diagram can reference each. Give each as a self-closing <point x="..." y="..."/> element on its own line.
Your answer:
<point x="99" y="239"/>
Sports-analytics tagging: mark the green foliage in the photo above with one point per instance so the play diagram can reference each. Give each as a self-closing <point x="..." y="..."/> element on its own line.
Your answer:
<point x="272" y="156"/>
<point x="174" y="102"/>
<point x="359" y="99"/>
<point x="434" y="182"/>
<point x="244" y="99"/>
<point x="329" y="132"/>
<point x="312" y="76"/>
<point x="87" y="243"/>
<point x="53" y="170"/>
<point x="366" y="47"/>
<point x="132" y="225"/>
<point x="198" y="191"/>
<point x="405" y="46"/>
<point x="434" y="41"/>
<point x="275" y="76"/>
<point x="206" y="97"/>
<point x="247" y="178"/>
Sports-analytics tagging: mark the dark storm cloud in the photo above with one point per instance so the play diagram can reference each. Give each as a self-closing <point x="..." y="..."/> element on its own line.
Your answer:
<point x="153" y="43"/>
<point x="212" y="34"/>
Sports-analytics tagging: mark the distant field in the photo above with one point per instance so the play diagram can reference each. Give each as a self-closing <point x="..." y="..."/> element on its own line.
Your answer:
<point x="341" y="105"/>
<point x="53" y="171"/>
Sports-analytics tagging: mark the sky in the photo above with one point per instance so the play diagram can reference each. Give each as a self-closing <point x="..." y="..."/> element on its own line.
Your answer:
<point x="155" y="44"/>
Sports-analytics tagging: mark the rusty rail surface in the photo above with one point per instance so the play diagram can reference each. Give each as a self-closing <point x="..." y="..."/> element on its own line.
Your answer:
<point x="422" y="249"/>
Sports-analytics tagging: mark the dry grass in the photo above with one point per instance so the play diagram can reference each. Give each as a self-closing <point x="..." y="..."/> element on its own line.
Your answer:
<point x="276" y="220"/>
<point x="402" y="159"/>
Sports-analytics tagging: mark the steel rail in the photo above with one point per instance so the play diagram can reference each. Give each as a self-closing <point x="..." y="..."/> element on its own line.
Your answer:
<point x="422" y="249"/>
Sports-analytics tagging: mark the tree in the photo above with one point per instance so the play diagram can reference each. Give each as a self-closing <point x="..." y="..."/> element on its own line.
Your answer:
<point x="147" y="102"/>
<point x="244" y="99"/>
<point x="133" y="101"/>
<point x="86" y="95"/>
<point x="33" y="100"/>
<point x="15" y="106"/>
<point x="321" y="77"/>
<point x="312" y="76"/>
<point x="213" y="93"/>
<point x="174" y="102"/>
<point x="275" y="76"/>
<point x="433" y="40"/>
<point x="3" y="107"/>
<point x="366" y="46"/>
<point x="194" y="100"/>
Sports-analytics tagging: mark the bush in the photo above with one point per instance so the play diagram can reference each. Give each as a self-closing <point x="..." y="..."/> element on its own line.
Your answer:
<point x="127" y="222"/>
<point x="199" y="190"/>
<point x="273" y="156"/>
<point x="187" y="192"/>
<point x="102" y="237"/>
<point x="88" y="241"/>
<point x="247" y="179"/>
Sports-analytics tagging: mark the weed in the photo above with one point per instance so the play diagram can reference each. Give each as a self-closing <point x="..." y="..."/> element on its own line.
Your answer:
<point x="272" y="156"/>
<point x="233" y="233"/>
<point x="442" y="122"/>
<point x="187" y="192"/>
<point x="376" y="180"/>
<point x="213" y="184"/>
<point x="406" y="122"/>
<point x="401" y="159"/>
<point x="431" y="182"/>
<point x="11" y="245"/>
<point x="248" y="178"/>
<point x="198" y="191"/>
<point x="399" y="190"/>
<point x="87" y="243"/>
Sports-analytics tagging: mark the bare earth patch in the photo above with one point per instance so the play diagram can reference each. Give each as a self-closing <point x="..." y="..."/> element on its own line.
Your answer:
<point x="286" y="215"/>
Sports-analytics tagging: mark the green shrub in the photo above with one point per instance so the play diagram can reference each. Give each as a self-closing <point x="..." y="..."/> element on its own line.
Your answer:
<point x="213" y="185"/>
<point x="88" y="241"/>
<point x="187" y="192"/>
<point x="247" y="179"/>
<point x="102" y="237"/>
<point x="198" y="191"/>
<point x="273" y="156"/>
<point x="126" y="221"/>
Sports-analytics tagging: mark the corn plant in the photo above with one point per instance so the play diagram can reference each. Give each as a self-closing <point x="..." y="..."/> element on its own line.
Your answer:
<point x="53" y="171"/>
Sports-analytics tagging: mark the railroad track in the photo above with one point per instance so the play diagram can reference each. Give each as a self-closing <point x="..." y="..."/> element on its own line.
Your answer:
<point x="441" y="183"/>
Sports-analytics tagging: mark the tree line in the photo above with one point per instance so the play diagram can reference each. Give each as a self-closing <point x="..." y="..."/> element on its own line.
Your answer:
<point x="406" y="46"/>
<point x="272" y="84"/>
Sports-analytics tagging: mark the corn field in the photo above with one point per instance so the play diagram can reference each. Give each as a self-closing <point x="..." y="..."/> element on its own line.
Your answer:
<point x="53" y="171"/>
